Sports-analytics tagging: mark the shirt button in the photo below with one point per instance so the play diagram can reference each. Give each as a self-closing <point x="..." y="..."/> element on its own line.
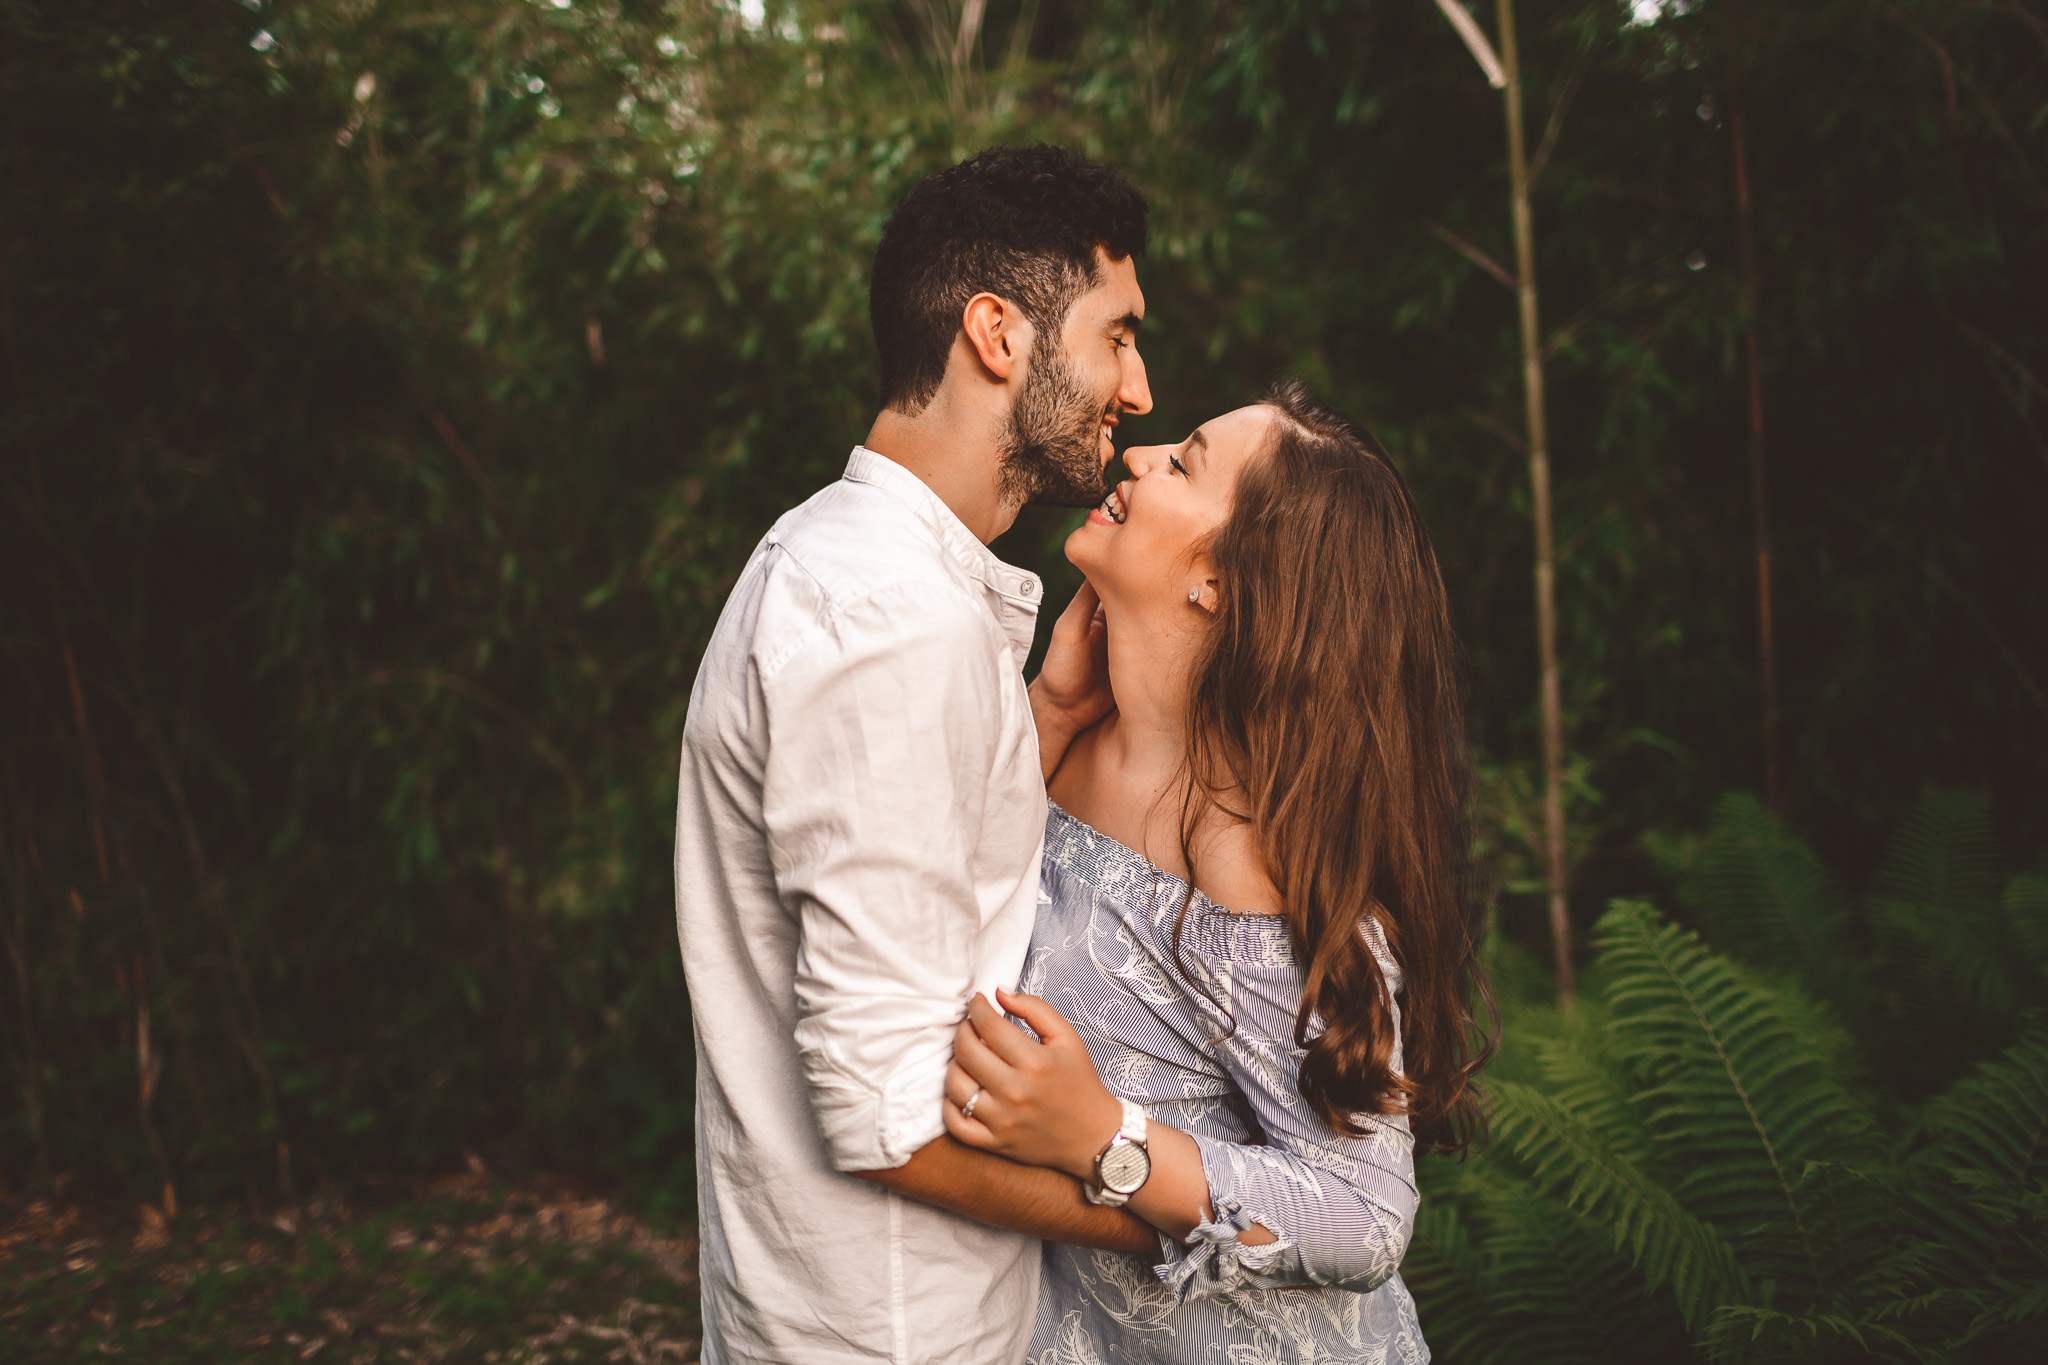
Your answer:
<point x="1029" y="588"/>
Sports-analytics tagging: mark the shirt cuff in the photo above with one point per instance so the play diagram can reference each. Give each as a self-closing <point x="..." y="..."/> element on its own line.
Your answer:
<point x="869" y="1130"/>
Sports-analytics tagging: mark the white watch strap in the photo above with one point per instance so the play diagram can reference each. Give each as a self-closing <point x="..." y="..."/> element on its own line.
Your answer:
<point x="1134" y="1121"/>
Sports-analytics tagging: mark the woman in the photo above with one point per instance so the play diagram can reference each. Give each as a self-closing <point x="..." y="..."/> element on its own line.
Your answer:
<point x="1254" y="929"/>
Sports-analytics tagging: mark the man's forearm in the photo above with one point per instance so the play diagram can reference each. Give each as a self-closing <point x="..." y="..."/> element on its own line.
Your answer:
<point x="1028" y="1199"/>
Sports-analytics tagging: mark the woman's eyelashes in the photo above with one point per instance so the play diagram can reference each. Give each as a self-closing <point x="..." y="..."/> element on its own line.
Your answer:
<point x="1178" y="467"/>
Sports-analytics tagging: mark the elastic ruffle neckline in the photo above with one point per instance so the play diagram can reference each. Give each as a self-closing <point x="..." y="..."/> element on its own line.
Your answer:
<point x="1128" y="877"/>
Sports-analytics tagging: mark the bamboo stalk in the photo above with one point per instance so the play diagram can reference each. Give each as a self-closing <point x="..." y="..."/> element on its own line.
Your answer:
<point x="23" y="1039"/>
<point x="95" y="771"/>
<point x="1504" y="73"/>
<point x="1021" y="30"/>
<point x="1759" y="481"/>
<point x="149" y="1066"/>
<point x="970" y="30"/>
<point x="245" y="1024"/>
<point x="1539" y="484"/>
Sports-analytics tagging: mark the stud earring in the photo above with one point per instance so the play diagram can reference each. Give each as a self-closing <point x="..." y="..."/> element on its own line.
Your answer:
<point x="1195" y="598"/>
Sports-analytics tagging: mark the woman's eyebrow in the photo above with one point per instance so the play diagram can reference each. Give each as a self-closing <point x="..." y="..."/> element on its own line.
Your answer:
<point x="1199" y="441"/>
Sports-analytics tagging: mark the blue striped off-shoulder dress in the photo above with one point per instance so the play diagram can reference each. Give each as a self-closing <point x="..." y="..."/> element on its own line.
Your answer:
<point x="1204" y="1040"/>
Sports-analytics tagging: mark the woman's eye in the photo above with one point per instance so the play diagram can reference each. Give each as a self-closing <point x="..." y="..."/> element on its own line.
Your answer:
<point x="1178" y="467"/>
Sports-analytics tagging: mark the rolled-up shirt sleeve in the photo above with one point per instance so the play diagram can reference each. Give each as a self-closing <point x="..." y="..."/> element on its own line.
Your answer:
<point x="883" y="730"/>
<point x="1340" y="1208"/>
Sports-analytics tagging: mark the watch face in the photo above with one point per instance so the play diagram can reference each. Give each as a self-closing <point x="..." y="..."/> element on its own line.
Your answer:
<point x="1124" y="1167"/>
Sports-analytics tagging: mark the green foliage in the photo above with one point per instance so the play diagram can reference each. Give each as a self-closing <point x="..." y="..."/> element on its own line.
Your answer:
<point x="1983" y="1180"/>
<point x="1572" y="1161"/>
<point x="1741" y="1090"/>
<point x="1938" y="913"/>
<point x="1939" y="934"/>
<point x="1754" y="885"/>
<point x="1730" y="1171"/>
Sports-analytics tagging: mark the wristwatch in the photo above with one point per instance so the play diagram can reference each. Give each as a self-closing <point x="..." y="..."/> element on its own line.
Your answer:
<point x="1123" y="1167"/>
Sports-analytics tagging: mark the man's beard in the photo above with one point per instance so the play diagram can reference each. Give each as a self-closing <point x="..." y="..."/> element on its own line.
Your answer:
<point x="1052" y="449"/>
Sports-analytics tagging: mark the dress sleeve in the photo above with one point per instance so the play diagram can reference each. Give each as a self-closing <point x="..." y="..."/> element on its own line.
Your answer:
<point x="1340" y="1208"/>
<point x="880" y="750"/>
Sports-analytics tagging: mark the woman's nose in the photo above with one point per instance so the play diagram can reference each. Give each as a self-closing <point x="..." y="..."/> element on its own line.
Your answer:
<point x="1141" y="460"/>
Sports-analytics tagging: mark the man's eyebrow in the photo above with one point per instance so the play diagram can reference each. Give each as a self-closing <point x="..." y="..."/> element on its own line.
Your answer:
<point x="1129" y="322"/>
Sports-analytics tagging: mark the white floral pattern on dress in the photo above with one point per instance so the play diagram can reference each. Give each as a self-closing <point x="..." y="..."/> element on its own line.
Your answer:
<point x="1202" y="1035"/>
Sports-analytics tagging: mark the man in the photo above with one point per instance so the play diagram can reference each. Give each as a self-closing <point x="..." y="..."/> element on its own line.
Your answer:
<point x="861" y="808"/>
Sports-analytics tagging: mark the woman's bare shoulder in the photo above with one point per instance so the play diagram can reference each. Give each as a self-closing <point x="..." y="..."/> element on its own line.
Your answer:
<point x="1231" y="870"/>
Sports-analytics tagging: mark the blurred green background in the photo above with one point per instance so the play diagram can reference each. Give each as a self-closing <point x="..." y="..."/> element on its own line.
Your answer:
<point x="392" y="389"/>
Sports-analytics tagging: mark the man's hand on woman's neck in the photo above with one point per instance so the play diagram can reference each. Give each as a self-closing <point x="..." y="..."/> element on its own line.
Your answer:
<point x="1151" y="662"/>
<point x="1126" y="775"/>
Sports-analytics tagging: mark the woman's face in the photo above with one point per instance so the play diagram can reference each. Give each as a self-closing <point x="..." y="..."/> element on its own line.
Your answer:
<point x="1144" y="545"/>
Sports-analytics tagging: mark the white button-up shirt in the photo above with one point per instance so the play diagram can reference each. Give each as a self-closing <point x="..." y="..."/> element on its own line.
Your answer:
<point x="858" y="831"/>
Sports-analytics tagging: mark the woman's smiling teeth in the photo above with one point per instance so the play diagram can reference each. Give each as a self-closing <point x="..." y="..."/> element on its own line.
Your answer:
<point x="1113" y="507"/>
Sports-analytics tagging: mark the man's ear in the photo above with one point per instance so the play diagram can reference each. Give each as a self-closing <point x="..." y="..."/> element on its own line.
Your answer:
<point x="998" y="332"/>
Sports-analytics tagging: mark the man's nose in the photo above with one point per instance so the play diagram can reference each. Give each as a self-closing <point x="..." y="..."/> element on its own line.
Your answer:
<point x="1136" y="394"/>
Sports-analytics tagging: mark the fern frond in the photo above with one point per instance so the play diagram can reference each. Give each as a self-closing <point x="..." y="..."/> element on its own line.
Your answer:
<point x="1984" y="1169"/>
<point x="1445" y="1270"/>
<point x="1558" y="1288"/>
<point x="1760" y="894"/>
<point x="2012" y="1304"/>
<point x="1995" y="1121"/>
<point x="2025" y="903"/>
<point x="1943" y="855"/>
<point x="1579" y="1074"/>
<point x="1570" y="1160"/>
<point x="1742" y="1088"/>
<point x="1937" y="895"/>
<point x="1760" y="1334"/>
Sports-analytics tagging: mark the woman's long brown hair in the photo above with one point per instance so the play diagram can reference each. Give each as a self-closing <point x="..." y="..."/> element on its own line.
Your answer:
<point x="1324" y="710"/>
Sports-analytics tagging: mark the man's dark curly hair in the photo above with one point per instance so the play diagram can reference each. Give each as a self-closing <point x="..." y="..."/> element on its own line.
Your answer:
<point x="1018" y="222"/>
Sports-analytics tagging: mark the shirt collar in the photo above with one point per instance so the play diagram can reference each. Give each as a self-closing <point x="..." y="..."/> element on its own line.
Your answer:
<point x="1016" y="591"/>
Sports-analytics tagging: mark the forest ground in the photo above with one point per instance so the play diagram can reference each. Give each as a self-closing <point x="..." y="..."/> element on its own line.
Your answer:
<point x="465" y="1268"/>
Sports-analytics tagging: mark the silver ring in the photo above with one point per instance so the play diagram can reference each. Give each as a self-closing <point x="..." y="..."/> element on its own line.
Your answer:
<point x="967" y="1109"/>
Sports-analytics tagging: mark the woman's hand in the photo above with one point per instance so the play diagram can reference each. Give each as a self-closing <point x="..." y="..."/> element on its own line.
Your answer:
<point x="1071" y="691"/>
<point x="1039" y="1103"/>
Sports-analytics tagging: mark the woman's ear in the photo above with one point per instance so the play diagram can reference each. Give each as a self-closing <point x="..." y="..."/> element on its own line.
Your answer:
<point x="998" y="332"/>
<point x="1198" y="578"/>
